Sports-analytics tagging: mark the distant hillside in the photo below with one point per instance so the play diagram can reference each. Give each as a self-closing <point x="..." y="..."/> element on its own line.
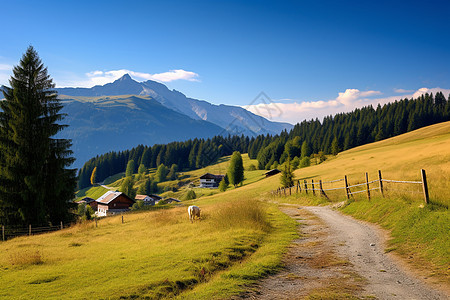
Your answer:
<point x="234" y="119"/>
<point x="309" y="138"/>
<point x="102" y="124"/>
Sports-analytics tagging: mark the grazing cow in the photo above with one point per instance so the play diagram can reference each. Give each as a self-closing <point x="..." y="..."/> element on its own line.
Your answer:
<point x="193" y="211"/>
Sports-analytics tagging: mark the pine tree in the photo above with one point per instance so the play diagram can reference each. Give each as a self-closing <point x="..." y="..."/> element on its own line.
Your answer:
<point x="287" y="175"/>
<point x="161" y="173"/>
<point x="35" y="185"/>
<point x="130" y="168"/>
<point x="223" y="185"/>
<point x="335" y="146"/>
<point x="142" y="169"/>
<point x="173" y="172"/>
<point x="127" y="187"/>
<point x="305" y="149"/>
<point x="236" y="169"/>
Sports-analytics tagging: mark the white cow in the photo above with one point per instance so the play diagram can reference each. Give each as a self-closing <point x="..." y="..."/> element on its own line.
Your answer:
<point x="193" y="211"/>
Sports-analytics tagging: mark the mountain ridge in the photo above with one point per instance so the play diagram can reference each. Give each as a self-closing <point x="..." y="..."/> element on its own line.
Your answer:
<point x="235" y="119"/>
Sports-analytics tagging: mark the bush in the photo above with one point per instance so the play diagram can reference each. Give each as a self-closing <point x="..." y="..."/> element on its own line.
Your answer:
<point x="305" y="162"/>
<point x="138" y="205"/>
<point x="190" y="195"/>
<point x="252" y="167"/>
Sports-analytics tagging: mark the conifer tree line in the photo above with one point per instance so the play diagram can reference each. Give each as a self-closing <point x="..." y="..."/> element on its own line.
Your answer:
<point x="36" y="185"/>
<point x="335" y="133"/>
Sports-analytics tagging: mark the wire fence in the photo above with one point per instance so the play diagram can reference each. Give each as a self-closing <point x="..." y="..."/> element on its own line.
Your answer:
<point x="11" y="231"/>
<point x="369" y="187"/>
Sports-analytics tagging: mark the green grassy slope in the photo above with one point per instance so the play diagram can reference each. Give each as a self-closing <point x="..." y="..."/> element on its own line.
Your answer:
<point x="419" y="233"/>
<point x="160" y="253"/>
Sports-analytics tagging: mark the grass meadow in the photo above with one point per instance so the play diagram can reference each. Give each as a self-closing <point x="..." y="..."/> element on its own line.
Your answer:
<point x="242" y="234"/>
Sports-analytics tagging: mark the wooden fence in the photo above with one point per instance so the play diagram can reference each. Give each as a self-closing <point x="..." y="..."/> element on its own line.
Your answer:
<point x="368" y="187"/>
<point x="9" y="232"/>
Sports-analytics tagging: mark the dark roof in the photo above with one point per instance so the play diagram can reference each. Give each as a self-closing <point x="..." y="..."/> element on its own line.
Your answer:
<point x="168" y="200"/>
<point x="156" y="197"/>
<point x="86" y="200"/>
<point x="272" y="172"/>
<point x="212" y="176"/>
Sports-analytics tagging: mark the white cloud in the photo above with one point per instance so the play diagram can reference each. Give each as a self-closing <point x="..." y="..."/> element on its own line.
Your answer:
<point x="402" y="91"/>
<point x="102" y="77"/>
<point x="345" y="102"/>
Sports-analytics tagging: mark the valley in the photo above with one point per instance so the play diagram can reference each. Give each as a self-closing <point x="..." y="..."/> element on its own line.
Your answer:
<point x="230" y="249"/>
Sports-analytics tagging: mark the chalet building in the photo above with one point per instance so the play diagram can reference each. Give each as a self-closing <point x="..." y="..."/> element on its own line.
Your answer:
<point x="272" y="172"/>
<point x="209" y="180"/>
<point x="147" y="199"/>
<point x="155" y="197"/>
<point x="89" y="201"/>
<point x="113" y="203"/>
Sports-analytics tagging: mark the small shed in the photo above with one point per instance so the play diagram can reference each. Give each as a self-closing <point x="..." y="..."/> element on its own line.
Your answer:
<point x="272" y="172"/>
<point x="113" y="203"/>
<point x="169" y="200"/>
<point x="89" y="201"/>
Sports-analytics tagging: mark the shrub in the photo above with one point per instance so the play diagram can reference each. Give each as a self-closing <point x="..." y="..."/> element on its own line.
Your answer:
<point x="305" y="162"/>
<point x="190" y="195"/>
<point x="252" y="167"/>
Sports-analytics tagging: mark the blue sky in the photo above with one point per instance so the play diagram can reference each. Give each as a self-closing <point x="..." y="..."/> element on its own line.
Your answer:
<point x="310" y="57"/>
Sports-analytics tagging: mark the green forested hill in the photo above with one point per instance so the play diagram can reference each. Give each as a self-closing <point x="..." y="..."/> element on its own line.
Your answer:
<point x="340" y="132"/>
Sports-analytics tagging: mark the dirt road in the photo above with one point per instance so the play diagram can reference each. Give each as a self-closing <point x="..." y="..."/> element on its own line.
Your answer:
<point x="338" y="257"/>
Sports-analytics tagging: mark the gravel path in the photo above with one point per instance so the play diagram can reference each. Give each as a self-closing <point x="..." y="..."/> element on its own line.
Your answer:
<point x="361" y="244"/>
<point x="338" y="256"/>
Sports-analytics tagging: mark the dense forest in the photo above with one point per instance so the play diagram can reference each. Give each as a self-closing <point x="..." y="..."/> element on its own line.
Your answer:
<point x="308" y="138"/>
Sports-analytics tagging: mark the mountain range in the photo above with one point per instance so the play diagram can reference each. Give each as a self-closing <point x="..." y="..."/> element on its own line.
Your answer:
<point x="125" y="113"/>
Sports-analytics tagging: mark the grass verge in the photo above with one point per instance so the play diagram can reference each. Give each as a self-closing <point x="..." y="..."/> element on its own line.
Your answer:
<point x="419" y="233"/>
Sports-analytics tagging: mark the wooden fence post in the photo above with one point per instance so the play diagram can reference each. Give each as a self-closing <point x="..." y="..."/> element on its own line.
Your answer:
<point x="380" y="180"/>
<point x="346" y="187"/>
<point x="299" y="186"/>
<point x="290" y="191"/>
<point x="320" y="187"/>
<point x="425" y="186"/>
<point x="296" y="191"/>
<point x="3" y="232"/>
<point x="313" y="187"/>
<point x="29" y="229"/>
<point x="122" y="219"/>
<point x="367" y="185"/>
<point x="284" y="191"/>
<point x="62" y="225"/>
<point x="306" y="186"/>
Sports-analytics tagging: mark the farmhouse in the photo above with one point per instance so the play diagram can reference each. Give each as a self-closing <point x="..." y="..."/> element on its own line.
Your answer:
<point x="146" y="199"/>
<point x="113" y="203"/>
<point x="209" y="180"/>
<point x="272" y="172"/>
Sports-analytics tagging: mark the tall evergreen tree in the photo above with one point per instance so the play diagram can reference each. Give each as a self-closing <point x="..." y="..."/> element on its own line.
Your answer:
<point x="130" y="168"/>
<point x="287" y="175"/>
<point x="35" y="185"/>
<point x="236" y="169"/>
